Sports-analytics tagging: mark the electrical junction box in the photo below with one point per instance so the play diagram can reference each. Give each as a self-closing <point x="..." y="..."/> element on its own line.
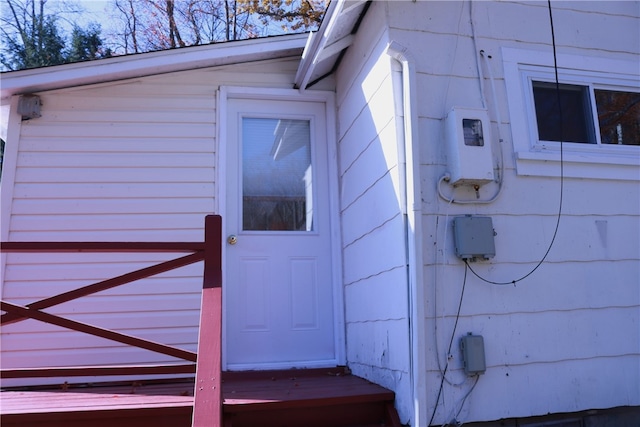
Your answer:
<point x="472" y="347"/>
<point x="468" y="135"/>
<point x="473" y="237"/>
<point x="29" y="106"/>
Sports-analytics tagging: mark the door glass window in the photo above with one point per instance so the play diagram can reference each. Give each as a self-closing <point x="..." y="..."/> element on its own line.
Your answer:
<point x="276" y="175"/>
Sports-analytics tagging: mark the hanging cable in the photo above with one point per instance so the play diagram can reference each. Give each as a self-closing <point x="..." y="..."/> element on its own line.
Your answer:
<point x="496" y="108"/>
<point x="464" y="399"/>
<point x="555" y="233"/>
<point x="453" y="334"/>
<point x="559" y="216"/>
<point x="435" y="297"/>
<point x="454" y="417"/>
<point x="475" y="50"/>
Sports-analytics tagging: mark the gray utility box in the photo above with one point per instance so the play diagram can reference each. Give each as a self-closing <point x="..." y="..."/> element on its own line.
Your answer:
<point x="472" y="347"/>
<point x="474" y="237"/>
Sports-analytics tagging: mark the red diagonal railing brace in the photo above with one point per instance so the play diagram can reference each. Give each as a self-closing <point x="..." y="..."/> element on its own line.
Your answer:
<point x="94" y="330"/>
<point x="104" y="285"/>
<point x="207" y="408"/>
<point x="208" y="369"/>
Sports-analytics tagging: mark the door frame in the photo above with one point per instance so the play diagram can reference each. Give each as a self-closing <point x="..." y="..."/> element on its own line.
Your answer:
<point x="223" y="95"/>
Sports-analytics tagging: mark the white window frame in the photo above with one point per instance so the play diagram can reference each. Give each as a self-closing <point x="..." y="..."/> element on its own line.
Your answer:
<point x="581" y="160"/>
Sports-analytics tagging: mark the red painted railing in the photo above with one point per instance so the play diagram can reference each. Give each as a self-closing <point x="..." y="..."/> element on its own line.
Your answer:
<point x="206" y="363"/>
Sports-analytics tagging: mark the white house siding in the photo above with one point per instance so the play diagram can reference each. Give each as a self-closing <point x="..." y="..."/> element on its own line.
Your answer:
<point x="374" y="260"/>
<point x="124" y="161"/>
<point x="567" y="338"/>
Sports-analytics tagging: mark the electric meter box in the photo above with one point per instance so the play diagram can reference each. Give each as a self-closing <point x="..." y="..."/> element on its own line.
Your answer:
<point x="468" y="135"/>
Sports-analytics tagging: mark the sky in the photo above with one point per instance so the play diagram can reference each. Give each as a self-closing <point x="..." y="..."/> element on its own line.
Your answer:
<point x="98" y="11"/>
<point x="104" y="13"/>
<point x="94" y="11"/>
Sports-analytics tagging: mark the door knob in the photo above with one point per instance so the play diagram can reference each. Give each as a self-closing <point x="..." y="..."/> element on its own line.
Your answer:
<point x="232" y="240"/>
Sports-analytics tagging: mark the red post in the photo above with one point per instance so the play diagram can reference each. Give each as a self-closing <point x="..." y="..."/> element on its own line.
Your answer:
<point x="207" y="408"/>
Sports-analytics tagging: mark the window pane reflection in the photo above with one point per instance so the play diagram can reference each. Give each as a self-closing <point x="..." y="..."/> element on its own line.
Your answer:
<point x="276" y="175"/>
<point x="619" y="117"/>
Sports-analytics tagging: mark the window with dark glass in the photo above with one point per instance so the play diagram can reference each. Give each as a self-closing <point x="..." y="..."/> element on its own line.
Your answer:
<point x="617" y="114"/>
<point x="575" y="118"/>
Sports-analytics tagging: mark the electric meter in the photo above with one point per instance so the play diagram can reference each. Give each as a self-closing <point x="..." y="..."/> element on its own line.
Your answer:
<point x="468" y="134"/>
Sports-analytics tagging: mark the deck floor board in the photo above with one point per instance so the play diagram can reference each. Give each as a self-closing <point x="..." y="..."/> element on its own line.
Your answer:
<point x="316" y="391"/>
<point x="241" y="393"/>
<point x="99" y="398"/>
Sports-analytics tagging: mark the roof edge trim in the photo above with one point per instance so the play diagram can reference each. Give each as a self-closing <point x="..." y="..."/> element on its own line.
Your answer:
<point x="160" y="62"/>
<point x="314" y="49"/>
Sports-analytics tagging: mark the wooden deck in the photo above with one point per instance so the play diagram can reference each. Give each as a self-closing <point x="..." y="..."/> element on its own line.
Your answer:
<point x="310" y="398"/>
<point x="294" y="398"/>
<point x="165" y="404"/>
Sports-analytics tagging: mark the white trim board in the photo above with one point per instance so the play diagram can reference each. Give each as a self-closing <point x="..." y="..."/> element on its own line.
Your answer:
<point x="131" y="66"/>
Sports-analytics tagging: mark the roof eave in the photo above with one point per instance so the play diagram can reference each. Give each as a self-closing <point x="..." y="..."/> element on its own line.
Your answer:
<point x="161" y="62"/>
<point x="328" y="43"/>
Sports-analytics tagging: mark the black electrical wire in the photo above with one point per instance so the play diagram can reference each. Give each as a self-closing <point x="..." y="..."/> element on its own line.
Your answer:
<point x="555" y="232"/>
<point x="453" y="334"/>
<point x="464" y="399"/>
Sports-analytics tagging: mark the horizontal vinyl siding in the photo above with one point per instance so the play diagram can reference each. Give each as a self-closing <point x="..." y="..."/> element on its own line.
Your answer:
<point x="580" y="238"/>
<point x="594" y="285"/>
<point x="566" y="338"/>
<point x="604" y="380"/>
<point x="122" y="161"/>
<point x="374" y="259"/>
<point x="131" y="161"/>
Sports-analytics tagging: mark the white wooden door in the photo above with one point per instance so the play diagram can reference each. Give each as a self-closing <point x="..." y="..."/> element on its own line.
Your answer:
<point x="279" y="307"/>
